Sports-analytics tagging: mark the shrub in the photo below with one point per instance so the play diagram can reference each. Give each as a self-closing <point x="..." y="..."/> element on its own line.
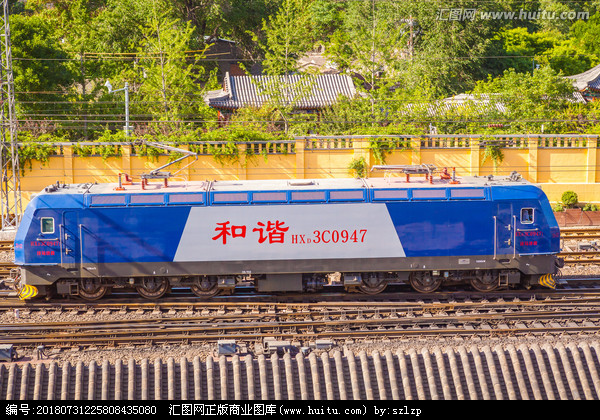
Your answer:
<point x="569" y="199"/>
<point x="358" y="167"/>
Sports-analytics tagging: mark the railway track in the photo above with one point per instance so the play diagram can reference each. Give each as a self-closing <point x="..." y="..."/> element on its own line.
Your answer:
<point x="309" y="323"/>
<point x="591" y="232"/>
<point x="579" y="246"/>
<point x="5" y="268"/>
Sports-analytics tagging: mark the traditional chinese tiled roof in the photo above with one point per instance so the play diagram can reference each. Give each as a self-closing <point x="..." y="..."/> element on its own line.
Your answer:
<point x="481" y="104"/>
<point x="302" y="91"/>
<point x="588" y="80"/>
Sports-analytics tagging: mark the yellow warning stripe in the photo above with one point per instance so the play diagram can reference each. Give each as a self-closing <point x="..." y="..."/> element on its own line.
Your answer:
<point x="548" y="281"/>
<point x="27" y="292"/>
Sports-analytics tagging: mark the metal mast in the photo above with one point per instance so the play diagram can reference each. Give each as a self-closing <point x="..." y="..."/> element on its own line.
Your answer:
<point x="10" y="186"/>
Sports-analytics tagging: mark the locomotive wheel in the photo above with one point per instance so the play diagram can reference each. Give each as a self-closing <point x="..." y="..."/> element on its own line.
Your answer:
<point x="205" y="287"/>
<point x="484" y="282"/>
<point x="424" y="282"/>
<point x="92" y="289"/>
<point x="153" y="287"/>
<point x="372" y="285"/>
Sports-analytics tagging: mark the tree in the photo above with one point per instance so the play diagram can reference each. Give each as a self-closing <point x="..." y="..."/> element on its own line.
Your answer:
<point x="203" y="16"/>
<point x="531" y="99"/>
<point x="524" y="46"/>
<point x="72" y="22"/>
<point x="524" y="50"/>
<point x="372" y="42"/>
<point x="326" y="18"/>
<point x="169" y="74"/>
<point x="42" y="71"/>
<point x="287" y="37"/>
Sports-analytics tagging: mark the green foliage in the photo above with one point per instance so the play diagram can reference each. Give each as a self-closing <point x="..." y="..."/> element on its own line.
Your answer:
<point x="558" y="207"/>
<point x="238" y="20"/>
<point x="264" y="118"/>
<point x="525" y="47"/>
<point x="531" y="99"/>
<point x="36" y="148"/>
<point x="492" y="150"/>
<point x="104" y="150"/>
<point x="39" y="78"/>
<point x="563" y="53"/>
<point x="169" y="74"/>
<point x="287" y="36"/>
<point x="567" y="56"/>
<point x="358" y="167"/>
<point x="382" y="146"/>
<point x="284" y="93"/>
<point x="569" y="199"/>
<point x="367" y="40"/>
<point x="326" y="17"/>
<point x="228" y="145"/>
<point x="590" y="207"/>
<point x="227" y="142"/>
<point x="586" y="34"/>
<point x="405" y="57"/>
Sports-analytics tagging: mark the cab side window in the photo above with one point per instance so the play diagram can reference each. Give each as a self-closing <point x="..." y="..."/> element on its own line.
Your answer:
<point x="47" y="225"/>
<point x="527" y="215"/>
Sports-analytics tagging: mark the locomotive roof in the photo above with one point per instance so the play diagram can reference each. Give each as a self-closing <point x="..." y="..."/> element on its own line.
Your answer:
<point x="175" y="186"/>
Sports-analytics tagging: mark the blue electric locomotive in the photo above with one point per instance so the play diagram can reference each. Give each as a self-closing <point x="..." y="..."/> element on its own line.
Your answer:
<point x="288" y="235"/>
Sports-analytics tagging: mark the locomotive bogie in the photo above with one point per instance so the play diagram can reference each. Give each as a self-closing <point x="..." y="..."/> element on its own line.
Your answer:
<point x="424" y="281"/>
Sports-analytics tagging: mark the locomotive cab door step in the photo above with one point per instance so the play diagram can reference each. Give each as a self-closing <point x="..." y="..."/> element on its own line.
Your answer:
<point x="503" y="279"/>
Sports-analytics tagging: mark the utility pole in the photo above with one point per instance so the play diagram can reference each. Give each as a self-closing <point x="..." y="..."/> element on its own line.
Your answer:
<point x="373" y="64"/>
<point x="410" y="39"/>
<point x="126" y="90"/>
<point x="10" y="185"/>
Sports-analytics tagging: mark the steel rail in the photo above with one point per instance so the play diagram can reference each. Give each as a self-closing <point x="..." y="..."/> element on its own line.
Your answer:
<point x="254" y="327"/>
<point x="363" y="329"/>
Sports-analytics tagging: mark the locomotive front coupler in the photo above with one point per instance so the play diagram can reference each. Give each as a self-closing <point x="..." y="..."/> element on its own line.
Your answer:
<point x="13" y="281"/>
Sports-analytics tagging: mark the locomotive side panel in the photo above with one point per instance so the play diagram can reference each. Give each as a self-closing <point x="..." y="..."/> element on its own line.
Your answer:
<point x="444" y="228"/>
<point x="288" y="232"/>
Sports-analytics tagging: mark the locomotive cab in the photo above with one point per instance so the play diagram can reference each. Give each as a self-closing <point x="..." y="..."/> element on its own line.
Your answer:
<point x="531" y="237"/>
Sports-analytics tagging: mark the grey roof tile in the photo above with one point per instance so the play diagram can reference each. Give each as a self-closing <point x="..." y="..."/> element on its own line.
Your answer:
<point x="300" y="90"/>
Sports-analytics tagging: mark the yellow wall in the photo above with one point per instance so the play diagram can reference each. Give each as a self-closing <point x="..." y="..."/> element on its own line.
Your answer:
<point x="573" y="166"/>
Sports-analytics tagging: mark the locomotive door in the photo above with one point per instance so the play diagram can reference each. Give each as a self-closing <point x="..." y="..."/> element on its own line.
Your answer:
<point x="504" y="225"/>
<point x="70" y="245"/>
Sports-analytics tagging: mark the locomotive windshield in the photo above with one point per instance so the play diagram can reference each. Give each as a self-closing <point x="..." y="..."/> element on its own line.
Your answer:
<point x="527" y="215"/>
<point x="47" y="225"/>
